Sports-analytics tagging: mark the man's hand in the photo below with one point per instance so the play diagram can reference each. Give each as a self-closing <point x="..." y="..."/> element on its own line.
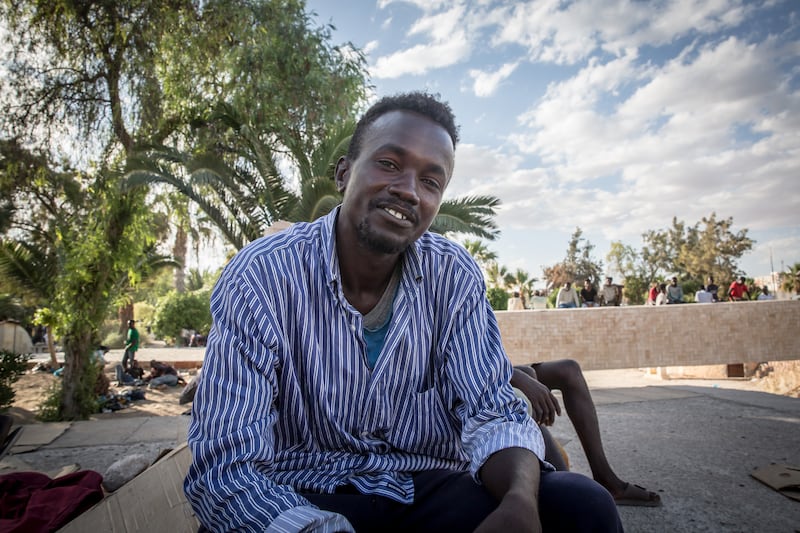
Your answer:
<point x="544" y="405"/>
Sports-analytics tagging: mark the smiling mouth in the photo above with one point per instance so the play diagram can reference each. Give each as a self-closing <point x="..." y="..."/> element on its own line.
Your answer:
<point x="396" y="214"/>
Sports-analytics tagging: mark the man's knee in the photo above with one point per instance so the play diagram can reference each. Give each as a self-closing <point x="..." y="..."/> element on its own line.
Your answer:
<point x="573" y="502"/>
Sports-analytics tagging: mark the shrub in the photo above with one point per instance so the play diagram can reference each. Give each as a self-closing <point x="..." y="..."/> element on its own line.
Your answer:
<point x="177" y="311"/>
<point x="12" y="366"/>
<point x="498" y="298"/>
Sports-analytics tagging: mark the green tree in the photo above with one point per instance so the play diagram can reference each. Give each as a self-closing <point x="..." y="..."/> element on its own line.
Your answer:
<point x="790" y="280"/>
<point x="710" y="247"/>
<point x="101" y="78"/>
<point x="578" y="264"/>
<point x="81" y="76"/>
<point x="522" y="282"/>
<point x="179" y="311"/>
<point x="245" y="194"/>
<point x="628" y="265"/>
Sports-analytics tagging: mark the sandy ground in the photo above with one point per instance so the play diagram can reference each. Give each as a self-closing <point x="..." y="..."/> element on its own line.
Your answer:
<point x="781" y="377"/>
<point x="31" y="390"/>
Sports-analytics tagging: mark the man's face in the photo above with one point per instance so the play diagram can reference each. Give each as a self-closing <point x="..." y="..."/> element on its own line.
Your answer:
<point x="608" y="281"/>
<point x="674" y="281"/>
<point x="392" y="191"/>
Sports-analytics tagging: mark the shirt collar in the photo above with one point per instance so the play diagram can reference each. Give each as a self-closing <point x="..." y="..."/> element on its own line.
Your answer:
<point x="412" y="264"/>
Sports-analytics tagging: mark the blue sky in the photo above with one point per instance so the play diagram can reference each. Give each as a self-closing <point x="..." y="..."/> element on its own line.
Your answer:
<point x="611" y="115"/>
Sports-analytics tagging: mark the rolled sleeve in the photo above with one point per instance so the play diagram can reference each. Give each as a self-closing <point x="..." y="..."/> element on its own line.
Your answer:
<point x="309" y="519"/>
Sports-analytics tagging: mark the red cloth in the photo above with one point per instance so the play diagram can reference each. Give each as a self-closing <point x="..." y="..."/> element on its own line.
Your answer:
<point x="32" y="502"/>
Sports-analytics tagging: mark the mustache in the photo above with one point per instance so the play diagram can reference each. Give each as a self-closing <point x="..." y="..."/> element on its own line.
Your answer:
<point x="404" y="207"/>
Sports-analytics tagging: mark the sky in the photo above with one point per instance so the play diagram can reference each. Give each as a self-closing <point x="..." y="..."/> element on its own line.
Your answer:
<point x="610" y="115"/>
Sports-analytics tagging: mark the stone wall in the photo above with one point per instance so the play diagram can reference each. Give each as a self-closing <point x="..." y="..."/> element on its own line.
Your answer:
<point x="642" y="336"/>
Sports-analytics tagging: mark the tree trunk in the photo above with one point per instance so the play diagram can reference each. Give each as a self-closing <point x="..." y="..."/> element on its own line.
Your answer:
<point x="124" y="314"/>
<point x="51" y="347"/>
<point x="179" y="249"/>
<point x="74" y="390"/>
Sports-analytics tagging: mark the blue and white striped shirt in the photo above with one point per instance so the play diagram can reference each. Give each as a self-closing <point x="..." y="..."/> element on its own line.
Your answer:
<point x="287" y="402"/>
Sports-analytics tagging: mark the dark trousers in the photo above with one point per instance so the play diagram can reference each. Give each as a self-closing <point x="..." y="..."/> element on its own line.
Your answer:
<point x="127" y="359"/>
<point x="452" y="501"/>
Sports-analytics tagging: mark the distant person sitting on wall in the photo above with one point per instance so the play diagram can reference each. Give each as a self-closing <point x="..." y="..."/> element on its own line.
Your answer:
<point x="536" y="382"/>
<point x="713" y="289"/>
<point x="567" y="298"/>
<point x="609" y="295"/>
<point x="674" y="292"/>
<point x="652" y="294"/>
<point x="765" y="295"/>
<point x="539" y="300"/>
<point x="161" y="375"/>
<point x="661" y="299"/>
<point x="197" y="339"/>
<point x="589" y="294"/>
<point x="737" y="290"/>
<point x="515" y="303"/>
<point x="702" y="296"/>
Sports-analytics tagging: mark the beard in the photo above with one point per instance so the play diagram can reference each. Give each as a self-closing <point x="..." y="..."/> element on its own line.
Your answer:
<point x="374" y="242"/>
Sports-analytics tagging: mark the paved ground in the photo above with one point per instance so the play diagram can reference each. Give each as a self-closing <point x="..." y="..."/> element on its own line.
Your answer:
<point x="695" y="442"/>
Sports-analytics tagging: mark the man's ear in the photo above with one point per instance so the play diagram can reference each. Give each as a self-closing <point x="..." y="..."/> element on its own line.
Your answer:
<point x="342" y="173"/>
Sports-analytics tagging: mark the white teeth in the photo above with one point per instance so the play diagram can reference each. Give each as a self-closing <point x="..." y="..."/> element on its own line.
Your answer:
<point x="395" y="214"/>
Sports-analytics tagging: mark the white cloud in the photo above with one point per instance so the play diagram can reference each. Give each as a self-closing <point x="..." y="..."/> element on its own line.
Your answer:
<point x="422" y="58"/>
<point x="486" y="83"/>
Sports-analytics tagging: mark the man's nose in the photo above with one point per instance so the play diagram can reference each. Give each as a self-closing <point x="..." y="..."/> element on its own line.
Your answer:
<point x="404" y="186"/>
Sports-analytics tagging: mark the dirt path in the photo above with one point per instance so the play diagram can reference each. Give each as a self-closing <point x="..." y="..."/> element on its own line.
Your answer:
<point x="32" y="389"/>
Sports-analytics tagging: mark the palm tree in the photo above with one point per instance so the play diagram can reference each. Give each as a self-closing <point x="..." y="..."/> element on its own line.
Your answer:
<point x="790" y="280"/>
<point x="480" y="252"/>
<point x="242" y="190"/>
<point x="498" y="276"/>
<point x="33" y="270"/>
<point x="522" y="283"/>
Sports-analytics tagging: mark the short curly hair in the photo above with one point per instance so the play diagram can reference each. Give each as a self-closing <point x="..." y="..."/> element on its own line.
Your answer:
<point x="424" y="103"/>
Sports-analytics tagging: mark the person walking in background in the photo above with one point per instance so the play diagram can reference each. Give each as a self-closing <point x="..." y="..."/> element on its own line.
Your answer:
<point x="737" y="290"/>
<point x="712" y="288"/>
<point x="609" y="295"/>
<point x="567" y="298"/>
<point x="674" y="292"/>
<point x="588" y="294"/>
<point x="131" y="345"/>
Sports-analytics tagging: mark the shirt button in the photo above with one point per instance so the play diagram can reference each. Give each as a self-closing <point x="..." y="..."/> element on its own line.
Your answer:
<point x="353" y="327"/>
<point x="365" y="435"/>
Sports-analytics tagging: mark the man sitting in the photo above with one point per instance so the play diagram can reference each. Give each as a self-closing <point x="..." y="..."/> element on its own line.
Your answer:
<point x="536" y="381"/>
<point x="354" y="377"/>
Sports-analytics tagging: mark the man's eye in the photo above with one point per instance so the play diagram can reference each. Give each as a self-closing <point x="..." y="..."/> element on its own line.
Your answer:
<point x="431" y="182"/>
<point x="386" y="163"/>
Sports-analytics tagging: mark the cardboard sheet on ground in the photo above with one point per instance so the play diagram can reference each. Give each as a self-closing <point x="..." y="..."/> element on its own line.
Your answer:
<point x="34" y="436"/>
<point x="783" y="478"/>
<point x="152" y="501"/>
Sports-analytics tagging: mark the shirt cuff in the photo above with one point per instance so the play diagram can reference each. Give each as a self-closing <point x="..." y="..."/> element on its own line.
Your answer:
<point x="307" y="519"/>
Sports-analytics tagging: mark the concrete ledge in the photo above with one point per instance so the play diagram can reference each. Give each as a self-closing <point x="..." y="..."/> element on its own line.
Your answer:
<point x="645" y="336"/>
